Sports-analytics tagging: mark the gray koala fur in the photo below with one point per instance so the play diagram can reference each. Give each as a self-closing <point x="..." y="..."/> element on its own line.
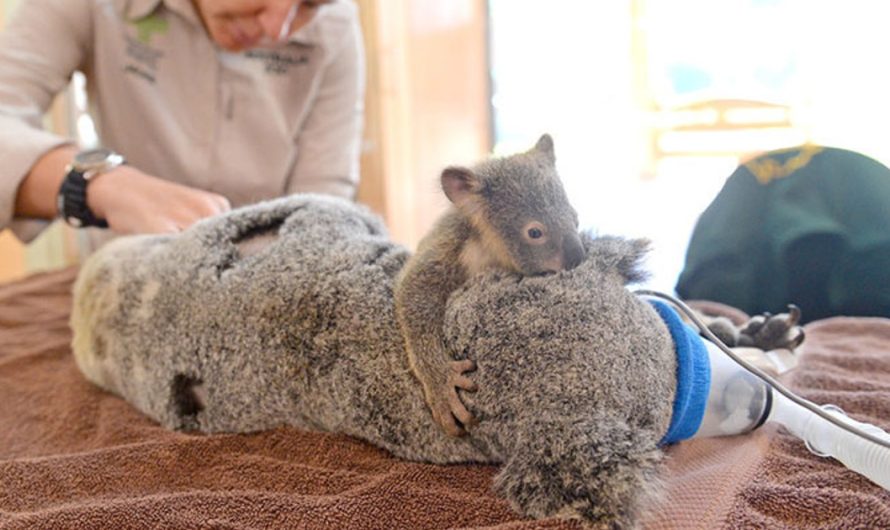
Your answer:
<point x="576" y="375"/>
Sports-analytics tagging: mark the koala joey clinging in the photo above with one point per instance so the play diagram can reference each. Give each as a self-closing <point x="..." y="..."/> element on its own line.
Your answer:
<point x="507" y="213"/>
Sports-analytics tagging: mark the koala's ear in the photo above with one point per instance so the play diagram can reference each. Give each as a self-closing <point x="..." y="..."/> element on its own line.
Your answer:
<point x="625" y="256"/>
<point x="459" y="184"/>
<point x="545" y="147"/>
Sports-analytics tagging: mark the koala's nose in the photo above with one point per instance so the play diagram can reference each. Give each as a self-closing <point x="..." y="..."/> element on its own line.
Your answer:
<point x="572" y="251"/>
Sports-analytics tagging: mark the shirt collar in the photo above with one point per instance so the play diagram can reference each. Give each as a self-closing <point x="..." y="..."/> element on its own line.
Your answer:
<point x="310" y="33"/>
<point x="139" y="9"/>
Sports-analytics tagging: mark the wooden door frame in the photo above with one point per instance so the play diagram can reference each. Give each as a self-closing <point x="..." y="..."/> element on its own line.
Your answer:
<point x="427" y="104"/>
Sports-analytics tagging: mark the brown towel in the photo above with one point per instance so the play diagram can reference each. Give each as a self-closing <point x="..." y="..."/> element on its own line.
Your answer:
<point x="72" y="456"/>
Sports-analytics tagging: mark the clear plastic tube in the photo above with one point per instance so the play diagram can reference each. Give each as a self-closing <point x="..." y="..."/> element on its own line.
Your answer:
<point x="738" y="402"/>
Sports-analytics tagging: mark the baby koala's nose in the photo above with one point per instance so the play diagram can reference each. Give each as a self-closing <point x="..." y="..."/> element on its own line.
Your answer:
<point x="572" y="251"/>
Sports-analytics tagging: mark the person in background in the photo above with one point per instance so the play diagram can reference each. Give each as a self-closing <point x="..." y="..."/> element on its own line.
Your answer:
<point x="199" y="105"/>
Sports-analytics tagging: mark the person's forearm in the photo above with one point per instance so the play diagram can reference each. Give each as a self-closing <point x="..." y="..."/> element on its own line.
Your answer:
<point x="143" y="204"/>
<point x="36" y="196"/>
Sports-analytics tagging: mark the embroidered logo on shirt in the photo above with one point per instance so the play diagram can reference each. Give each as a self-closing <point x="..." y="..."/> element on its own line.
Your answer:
<point x="143" y="56"/>
<point x="146" y="27"/>
<point x="277" y="62"/>
<point x="765" y="170"/>
<point x="143" y="59"/>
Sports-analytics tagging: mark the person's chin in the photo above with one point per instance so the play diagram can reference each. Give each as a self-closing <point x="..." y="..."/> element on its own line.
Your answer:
<point x="232" y="43"/>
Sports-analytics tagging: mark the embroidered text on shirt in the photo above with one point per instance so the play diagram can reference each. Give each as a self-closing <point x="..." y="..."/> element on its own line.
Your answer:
<point x="276" y="62"/>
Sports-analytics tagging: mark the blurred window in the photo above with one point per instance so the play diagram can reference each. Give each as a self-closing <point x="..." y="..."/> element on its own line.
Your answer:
<point x="653" y="103"/>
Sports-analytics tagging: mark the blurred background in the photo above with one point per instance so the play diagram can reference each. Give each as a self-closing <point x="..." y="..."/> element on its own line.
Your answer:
<point x="652" y="104"/>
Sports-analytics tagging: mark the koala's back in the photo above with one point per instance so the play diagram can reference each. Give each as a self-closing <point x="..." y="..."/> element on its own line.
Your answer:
<point x="302" y="332"/>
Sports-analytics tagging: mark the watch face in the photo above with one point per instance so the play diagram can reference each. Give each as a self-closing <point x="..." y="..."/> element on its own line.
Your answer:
<point x="92" y="156"/>
<point x="96" y="160"/>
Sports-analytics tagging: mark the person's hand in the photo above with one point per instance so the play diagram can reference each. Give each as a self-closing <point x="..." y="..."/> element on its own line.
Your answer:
<point x="241" y="24"/>
<point x="136" y="203"/>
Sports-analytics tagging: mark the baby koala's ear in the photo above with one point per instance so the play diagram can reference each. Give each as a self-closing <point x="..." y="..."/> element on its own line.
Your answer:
<point x="460" y="184"/>
<point x="545" y="147"/>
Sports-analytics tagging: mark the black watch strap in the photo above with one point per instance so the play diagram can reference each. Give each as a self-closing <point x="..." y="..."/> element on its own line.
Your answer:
<point x="73" y="202"/>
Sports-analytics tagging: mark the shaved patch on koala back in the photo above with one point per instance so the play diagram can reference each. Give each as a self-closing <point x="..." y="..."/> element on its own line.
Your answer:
<point x="256" y="241"/>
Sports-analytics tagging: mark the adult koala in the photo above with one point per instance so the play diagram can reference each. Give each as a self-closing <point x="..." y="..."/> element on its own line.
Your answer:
<point x="282" y="313"/>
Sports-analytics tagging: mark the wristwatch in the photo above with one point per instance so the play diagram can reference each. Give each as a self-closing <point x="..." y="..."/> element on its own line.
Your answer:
<point x="72" y="198"/>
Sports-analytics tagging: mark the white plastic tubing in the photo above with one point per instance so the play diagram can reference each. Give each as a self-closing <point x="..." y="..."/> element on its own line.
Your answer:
<point x="826" y="439"/>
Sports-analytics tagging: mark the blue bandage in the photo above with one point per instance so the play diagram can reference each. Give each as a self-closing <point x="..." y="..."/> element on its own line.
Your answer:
<point x="693" y="376"/>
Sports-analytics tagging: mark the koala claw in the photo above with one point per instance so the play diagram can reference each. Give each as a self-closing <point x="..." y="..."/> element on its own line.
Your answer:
<point x="793" y="315"/>
<point x="449" y="412"/>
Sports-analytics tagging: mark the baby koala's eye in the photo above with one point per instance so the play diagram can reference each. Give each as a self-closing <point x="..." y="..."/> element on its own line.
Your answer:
<point x="534" y="233"/>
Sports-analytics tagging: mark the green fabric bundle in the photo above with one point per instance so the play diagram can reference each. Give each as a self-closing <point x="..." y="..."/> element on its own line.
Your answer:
<point x="808" y="225"/>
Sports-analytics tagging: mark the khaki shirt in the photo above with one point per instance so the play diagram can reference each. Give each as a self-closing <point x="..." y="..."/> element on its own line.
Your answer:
<point x="251" y="125"/>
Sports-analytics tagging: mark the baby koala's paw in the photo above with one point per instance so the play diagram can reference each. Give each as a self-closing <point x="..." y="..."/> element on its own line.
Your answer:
<point x="771" y="332"/>
<point x="448" y="409"/>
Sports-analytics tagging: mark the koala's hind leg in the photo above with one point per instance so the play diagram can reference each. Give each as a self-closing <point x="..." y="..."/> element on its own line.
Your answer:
<point x="772" y="332"/>
<point x="767" y="341"/>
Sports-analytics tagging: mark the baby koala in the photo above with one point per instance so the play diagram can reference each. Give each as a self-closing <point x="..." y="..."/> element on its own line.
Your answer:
<point x="507" y="213"/>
